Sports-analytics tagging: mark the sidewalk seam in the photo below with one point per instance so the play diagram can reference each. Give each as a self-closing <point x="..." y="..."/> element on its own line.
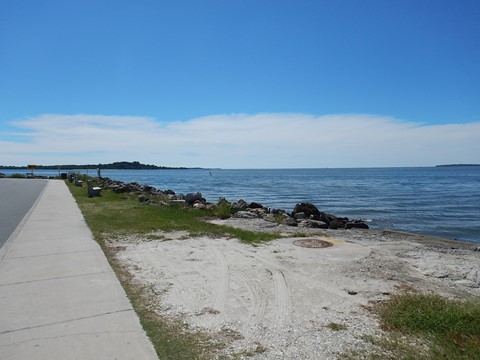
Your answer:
<point x="65" y="321"/>
<point x="53" y="254"/>
<point x="56" y="278"/>
<point x="70" y="335"/>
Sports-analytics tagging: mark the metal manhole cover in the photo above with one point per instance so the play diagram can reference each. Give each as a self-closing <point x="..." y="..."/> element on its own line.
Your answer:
<point x="312" y="243"/>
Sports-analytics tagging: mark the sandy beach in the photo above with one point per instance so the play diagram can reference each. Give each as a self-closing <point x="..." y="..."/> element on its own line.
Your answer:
<point x="278" y="300"/>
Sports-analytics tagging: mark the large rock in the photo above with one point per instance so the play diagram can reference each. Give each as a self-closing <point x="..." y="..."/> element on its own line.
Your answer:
<point x="282" y="217"/>
<point x="289" y="221"/>
<point x="307" y="208"/>
<point x="254" y="205"/>
<point x="240" y="205"/>
<point x="356" y="225"/>
<point x="300" y="216"/>
<point x="269" y="218"/>
<point x="337" y="223"/>
<point x="246" y="215"/>
<point x="120" y="188"/>
<point x="149" y="189"/>
<point x="190" y="198"/>
<point x="311" y="212"/>
<point x="316" y="224"/>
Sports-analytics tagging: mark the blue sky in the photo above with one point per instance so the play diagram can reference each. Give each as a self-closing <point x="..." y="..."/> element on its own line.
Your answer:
<point x="240" y="83"/>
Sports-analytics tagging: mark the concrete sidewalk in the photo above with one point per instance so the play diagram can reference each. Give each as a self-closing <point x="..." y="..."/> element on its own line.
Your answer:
<point x="59" y="298"/>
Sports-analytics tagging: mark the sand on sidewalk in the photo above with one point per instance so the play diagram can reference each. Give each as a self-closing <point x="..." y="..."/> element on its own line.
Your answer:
<point x="277" y="300"/>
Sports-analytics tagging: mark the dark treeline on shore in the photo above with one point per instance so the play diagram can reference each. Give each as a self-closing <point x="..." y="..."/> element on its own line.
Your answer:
<point x="121" y="165"/>
<point x="455" y="165"/>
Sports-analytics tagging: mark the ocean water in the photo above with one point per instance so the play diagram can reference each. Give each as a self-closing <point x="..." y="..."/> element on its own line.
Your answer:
<point x="438" y="201"/>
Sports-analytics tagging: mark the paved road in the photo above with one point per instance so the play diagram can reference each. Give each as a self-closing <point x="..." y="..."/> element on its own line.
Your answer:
<point x="16" y="198"/>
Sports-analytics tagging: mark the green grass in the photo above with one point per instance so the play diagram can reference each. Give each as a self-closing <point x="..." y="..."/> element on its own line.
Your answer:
<point x="17" y="176"/>
<point x="425" y="326"/>
<point x="336" y="326"/>
<point x="120" y="214"/>
<point x="392" y="347"/>
<point x="453" y="327"/>
<point x="113" y="215"/>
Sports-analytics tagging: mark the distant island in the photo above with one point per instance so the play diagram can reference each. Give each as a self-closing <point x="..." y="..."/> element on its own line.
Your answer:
<point x="448" y="165"/>
<point x="121" y="165"/>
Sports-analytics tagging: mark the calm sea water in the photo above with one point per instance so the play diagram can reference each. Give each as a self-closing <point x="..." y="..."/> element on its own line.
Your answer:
<point x="441" y="201"/>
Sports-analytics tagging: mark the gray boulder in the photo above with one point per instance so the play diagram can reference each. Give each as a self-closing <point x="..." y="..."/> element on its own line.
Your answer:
<point x="300" y="216"/>
<point x="240" y="205"/>
<point x="307" y="223"/>
<point x="246" y="215"/>
<point x="289" y="221"/>
<point x="190" y="198"/>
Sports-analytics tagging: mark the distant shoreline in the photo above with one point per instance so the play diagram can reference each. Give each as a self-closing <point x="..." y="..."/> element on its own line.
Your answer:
<point x="457" y="165"/>
<point x="122" y="165"/>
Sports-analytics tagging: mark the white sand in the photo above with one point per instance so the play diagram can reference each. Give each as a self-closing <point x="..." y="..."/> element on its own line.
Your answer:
<point x="280" y="297"/>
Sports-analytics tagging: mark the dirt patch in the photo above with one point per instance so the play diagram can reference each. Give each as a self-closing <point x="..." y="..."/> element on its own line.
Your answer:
<point x="281" y="298"/>
<point x="312" y="243"/>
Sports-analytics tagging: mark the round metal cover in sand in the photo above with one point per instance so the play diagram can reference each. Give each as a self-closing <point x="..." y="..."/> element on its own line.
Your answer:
<point x="312" y="243"/>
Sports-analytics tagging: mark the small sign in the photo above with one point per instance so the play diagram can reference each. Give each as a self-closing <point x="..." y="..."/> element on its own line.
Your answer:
<point x="32" y="167"/>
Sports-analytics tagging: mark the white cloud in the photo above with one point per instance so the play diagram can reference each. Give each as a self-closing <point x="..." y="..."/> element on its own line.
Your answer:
<point x="240" y="141"/>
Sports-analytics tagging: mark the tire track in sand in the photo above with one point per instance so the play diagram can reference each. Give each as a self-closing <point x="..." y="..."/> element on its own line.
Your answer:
<point x="222" y="285"/>
<point x="256" y="310"/>
<point x="282" y="297"/>
<point x="181" y="282"/>
<point x="281" y="293"/>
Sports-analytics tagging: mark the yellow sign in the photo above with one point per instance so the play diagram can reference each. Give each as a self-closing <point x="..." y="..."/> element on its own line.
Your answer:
<point x="33" y="167"/>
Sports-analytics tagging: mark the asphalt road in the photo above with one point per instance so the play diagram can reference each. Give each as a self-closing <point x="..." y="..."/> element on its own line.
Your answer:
<point x="17" y="196"/>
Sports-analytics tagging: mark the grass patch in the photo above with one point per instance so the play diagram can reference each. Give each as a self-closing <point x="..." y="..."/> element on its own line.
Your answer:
<point x="113" y="215"/>
<point x="17" y="176"/>
<point x="155" y="237"/>
<point x="392" y="347"/>
<point x="336" y="326"/>
<point x="425" y="326"/>
<point x="121" y="214"/>
<point x="452" y="326"/>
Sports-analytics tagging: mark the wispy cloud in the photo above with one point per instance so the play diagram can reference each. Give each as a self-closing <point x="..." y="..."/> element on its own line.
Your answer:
<point x="240" y="141"/>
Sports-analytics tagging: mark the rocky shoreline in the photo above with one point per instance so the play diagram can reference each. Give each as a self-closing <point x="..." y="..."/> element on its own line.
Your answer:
<point x="305" y="215"/>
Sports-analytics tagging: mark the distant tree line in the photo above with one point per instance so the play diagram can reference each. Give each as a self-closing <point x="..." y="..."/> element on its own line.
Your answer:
<point x="120" y="165"/>
<point x="447" y="165"/>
